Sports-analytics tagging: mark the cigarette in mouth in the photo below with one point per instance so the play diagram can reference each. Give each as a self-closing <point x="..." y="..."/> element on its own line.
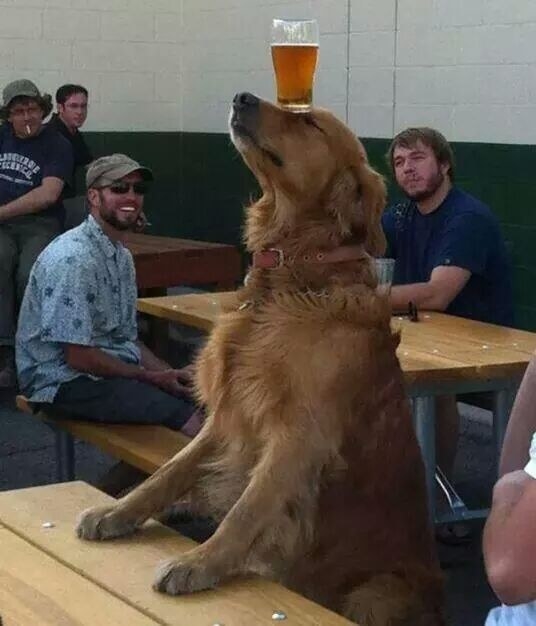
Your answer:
<point x="28" y="129"/>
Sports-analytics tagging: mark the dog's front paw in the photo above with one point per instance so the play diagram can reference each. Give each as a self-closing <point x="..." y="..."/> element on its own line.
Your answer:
<point x="184" y="575"/>
<point x="103" y="522"/>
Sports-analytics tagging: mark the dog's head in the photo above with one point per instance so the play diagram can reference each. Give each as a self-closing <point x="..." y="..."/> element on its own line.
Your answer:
<point x="311" y="168"/>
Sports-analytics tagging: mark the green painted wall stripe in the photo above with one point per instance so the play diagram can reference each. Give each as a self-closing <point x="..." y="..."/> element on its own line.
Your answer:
<point x="202" y="186"/>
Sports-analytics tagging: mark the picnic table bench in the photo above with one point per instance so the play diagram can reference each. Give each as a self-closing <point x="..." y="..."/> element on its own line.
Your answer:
<point x="142" y="446"/>
<point x="49" y="576"/>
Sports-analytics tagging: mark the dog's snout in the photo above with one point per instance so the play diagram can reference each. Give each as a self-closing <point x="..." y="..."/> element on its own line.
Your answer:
<point x="245" y="100"/>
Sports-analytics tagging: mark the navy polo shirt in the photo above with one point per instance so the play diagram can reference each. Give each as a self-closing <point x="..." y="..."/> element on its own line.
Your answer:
<point x="461" y="232"/>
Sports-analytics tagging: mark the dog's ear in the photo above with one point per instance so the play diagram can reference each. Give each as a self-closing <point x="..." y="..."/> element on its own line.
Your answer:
<point x="343" y="201"/>
<point x="373" y="197"/>
<point x="357" y="199"/>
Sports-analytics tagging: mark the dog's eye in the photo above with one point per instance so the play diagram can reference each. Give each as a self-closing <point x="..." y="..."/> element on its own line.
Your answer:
<point x="310" y="121"/>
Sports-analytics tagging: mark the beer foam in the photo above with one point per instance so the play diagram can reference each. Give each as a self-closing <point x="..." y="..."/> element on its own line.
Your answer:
<point x="294" y="44"/>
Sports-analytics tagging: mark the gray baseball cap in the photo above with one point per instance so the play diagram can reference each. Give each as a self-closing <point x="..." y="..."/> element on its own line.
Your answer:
<point x="17" y="88"/>
<point x="107" y="169"/>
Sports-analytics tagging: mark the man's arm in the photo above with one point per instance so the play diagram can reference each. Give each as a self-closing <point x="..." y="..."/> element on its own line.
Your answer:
<point x="521" y="425"/>
<point x="34" y="201"/>
<point x="444" y="285"/>
<point x="153" y="371"/>
<point x="509" y="539"/>
<point x="91" y="360"/>
<point x="150" y="361"/>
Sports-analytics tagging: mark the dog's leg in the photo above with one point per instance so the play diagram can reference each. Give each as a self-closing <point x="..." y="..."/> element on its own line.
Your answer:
<point x="160" y="490"/>
<point x="388" y="600"/>
<point x="285" y="469"/>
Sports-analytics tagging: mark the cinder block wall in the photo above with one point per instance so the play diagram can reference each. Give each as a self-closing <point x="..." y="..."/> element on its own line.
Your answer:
<point x="468" y="68"/>
<point x="128" y="53"/>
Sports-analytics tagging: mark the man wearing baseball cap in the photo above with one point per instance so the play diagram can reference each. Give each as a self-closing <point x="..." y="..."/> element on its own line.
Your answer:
<point x="77" y="343"/>
<point x="35" y="163"/>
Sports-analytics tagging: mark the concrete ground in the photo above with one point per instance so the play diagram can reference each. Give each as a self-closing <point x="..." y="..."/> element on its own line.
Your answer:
<point x="27" y="458"/>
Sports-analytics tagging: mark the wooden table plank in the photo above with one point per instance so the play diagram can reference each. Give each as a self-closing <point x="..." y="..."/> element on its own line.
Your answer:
<point x="126" y="567"/>
<point x="480" y="332"/>
<point x="438" y="348"/>
<point x="37" y="590"/>
<point x="199" y="310"/>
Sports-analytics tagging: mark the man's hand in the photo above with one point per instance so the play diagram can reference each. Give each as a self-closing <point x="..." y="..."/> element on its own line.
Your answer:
<point x="186" y="374"/>
<point x="444" y="285"/>
<point x="170" y="380"/>
<point x="141" y="223"/>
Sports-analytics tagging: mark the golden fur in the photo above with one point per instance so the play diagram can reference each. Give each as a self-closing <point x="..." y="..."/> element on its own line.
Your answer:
<point x="308" y="457"/>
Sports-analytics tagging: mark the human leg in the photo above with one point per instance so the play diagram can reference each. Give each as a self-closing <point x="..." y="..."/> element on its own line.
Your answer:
<point x="447" y="431"/>
<point x="8" y="264"/>
<point x="122" y="401"/>
<point x="33" y="237"/>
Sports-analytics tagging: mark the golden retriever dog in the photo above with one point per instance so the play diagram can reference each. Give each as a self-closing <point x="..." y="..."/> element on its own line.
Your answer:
<point x="308" y="459"/>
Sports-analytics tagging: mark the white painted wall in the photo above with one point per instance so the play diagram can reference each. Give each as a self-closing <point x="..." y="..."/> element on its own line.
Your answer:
<point x="467" y="67"/>
<point x="128" y="53"/>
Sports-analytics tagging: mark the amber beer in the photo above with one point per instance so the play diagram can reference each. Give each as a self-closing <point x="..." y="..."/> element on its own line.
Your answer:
<point x="294" y="54"/>
<point x="294" y="66"/>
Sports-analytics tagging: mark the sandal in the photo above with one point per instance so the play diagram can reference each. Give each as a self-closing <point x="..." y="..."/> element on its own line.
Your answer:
<point x="454" y="534"/>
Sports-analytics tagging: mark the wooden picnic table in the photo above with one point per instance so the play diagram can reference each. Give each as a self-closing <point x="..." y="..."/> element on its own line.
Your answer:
<point x="163" y="262"/>
<point x="437" y="347"/>
<point x="440" y="354"/>
<point x="48" y="576"/>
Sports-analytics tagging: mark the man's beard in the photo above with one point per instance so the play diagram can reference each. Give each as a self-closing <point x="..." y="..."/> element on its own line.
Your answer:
<point x="433" y="185"/>
<point x="111" y="219"/>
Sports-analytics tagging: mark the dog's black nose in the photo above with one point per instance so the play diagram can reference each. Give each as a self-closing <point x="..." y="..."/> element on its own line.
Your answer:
<point x="245" y="100"/>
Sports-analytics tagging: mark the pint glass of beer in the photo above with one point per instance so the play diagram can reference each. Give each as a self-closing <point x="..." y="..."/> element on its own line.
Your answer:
<point x="294" y="55"/>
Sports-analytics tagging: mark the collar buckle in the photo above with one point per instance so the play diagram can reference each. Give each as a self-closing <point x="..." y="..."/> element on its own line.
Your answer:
<point x="280" y="257"/>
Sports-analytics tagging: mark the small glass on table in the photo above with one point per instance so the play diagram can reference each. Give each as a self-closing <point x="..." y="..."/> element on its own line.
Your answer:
<point x="385" y="270"/>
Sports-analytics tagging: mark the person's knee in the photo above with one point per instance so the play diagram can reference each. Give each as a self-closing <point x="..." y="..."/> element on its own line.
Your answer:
<point x="23" y="274"/>
<point x="175" y="412"/>
<point x="26" y="262"/>
<point x="8" y="259"/>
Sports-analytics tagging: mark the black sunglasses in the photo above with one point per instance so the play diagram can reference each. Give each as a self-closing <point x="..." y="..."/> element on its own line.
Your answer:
<point x="139" y="188"/>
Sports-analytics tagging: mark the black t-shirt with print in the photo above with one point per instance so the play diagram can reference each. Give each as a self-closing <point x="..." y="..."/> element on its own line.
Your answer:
<point x="24" y="163"/>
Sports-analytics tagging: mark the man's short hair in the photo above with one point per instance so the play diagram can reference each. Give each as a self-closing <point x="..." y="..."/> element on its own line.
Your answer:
<point x="66" y="91"/>
<point x="431" y="138"/>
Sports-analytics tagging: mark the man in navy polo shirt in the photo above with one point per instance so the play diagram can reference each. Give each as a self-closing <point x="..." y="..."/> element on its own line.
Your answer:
<point x="449" y="251"/>
<point x="35" y="163"/>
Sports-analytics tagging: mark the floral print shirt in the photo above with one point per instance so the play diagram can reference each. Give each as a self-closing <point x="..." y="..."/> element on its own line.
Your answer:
<point x="82" y="290"/>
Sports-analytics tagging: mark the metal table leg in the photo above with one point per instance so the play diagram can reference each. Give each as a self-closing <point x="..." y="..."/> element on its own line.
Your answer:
<point x="64" y="456"/>
<point x="424" y="420"/>
<point x="503" y="400"/>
